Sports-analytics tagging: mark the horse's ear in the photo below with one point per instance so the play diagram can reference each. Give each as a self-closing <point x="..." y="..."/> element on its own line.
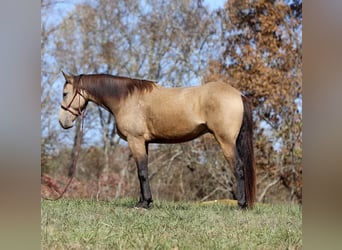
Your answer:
<point x="68" y="78"/>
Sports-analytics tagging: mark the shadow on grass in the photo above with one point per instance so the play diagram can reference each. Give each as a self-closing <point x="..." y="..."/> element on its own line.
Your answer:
<point x="129" y="203"/>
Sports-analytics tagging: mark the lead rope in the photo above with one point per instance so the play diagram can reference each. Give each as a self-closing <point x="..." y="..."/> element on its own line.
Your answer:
<point x="78" y="148"/>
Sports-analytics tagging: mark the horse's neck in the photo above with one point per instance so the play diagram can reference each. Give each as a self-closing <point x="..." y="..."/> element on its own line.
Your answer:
<point x="110" y="104"/>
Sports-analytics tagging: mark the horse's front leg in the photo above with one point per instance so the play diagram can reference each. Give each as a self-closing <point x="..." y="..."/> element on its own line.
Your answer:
<point x="145" y="191"/>
<point x="138" y="148"/>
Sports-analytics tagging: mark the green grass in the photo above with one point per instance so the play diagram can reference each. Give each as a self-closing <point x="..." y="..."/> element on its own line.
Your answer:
<point x="88" y="224"/>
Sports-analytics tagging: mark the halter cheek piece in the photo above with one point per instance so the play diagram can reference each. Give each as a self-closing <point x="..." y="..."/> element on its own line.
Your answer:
<point x="68" y="108"/>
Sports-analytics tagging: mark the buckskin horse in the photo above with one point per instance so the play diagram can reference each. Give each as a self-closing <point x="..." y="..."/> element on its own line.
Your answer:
<point x="146" y="112"/>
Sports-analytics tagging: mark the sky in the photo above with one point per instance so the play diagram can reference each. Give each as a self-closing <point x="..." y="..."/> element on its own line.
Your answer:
<point x="64" y="7"/>
<point x="214" y="4"/>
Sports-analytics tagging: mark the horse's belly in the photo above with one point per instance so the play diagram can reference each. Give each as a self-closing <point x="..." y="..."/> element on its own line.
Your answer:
<point x="174" y="135"/>
<point x="176" y="130"/>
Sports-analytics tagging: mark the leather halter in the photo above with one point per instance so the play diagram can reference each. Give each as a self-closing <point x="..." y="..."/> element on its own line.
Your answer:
<point x="68" y="108"/>
<point x="78" y="147"/>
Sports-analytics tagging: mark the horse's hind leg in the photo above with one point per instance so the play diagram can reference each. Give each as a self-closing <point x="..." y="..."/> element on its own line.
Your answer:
<point x="138" y="148"/>
<point x="234" y="160"/>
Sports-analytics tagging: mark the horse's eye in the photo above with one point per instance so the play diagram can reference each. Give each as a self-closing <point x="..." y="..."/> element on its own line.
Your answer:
<point x="64" y="95"/>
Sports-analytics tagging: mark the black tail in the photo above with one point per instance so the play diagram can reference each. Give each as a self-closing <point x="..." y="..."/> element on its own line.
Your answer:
<point x="245" y="150"/>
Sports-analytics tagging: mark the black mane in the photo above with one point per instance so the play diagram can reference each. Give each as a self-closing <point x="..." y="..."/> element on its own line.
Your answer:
<point x="105" y="85"/>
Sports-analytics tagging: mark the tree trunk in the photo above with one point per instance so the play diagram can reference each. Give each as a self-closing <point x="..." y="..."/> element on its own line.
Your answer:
<point x="74" y="151"/>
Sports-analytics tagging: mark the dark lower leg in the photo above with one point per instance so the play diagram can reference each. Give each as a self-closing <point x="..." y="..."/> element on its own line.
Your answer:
<point x="145" y="192"/>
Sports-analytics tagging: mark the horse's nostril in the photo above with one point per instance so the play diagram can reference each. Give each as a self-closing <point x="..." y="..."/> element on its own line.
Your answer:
<point x="66" y="124"/>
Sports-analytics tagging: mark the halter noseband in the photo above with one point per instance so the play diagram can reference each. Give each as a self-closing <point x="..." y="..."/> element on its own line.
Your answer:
<point x="68" y="108"/>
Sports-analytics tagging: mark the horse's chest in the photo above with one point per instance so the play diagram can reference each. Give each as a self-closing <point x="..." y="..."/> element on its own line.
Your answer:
<point x="131" y="120"/>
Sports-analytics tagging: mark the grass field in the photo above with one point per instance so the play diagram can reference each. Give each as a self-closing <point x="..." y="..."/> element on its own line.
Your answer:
<point x="89" y="224"/>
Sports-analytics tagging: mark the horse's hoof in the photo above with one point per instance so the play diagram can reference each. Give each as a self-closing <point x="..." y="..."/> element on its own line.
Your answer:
<point x="143" y="205"/>
<point x="243" y="206"/>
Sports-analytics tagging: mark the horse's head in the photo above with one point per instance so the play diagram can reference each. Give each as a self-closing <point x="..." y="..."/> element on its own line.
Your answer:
<point x="74" y="101"/>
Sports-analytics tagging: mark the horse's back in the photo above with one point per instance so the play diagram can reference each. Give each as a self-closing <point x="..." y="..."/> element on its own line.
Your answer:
<point x="219" y="87"/>
<point x="212" y="102"/>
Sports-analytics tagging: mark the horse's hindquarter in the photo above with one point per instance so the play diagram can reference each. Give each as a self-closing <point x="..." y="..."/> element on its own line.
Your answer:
<point x="223" y="109"/>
